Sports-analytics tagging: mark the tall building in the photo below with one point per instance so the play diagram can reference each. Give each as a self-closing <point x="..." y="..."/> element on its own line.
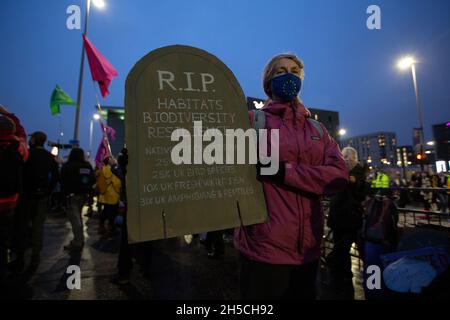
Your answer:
<point x="376" y="149"/>
<point x="405" y="156"/>
<point x="329" y="118"/>
<point x="441" y="133"/>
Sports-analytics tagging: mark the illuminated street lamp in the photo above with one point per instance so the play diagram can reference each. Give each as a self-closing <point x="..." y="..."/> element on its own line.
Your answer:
<point x="99" y="3"/>
<point x="404" y="64"/>
<point x="342" y="132"/>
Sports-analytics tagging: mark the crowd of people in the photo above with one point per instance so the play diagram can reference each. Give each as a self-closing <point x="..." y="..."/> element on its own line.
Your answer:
<point x="278" y="259"/>
<point x="429" y="200"/>
<point x="35" y="181"/>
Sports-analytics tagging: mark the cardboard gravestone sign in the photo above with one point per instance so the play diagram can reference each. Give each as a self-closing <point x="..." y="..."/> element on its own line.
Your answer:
<point x="174" y="88"/>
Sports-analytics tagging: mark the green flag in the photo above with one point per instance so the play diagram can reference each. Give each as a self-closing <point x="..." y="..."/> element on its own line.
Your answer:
<point x="59" y="97"/>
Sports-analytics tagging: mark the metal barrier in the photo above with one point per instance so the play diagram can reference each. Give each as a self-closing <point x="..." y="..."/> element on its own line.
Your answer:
<point x="410" y="218"/>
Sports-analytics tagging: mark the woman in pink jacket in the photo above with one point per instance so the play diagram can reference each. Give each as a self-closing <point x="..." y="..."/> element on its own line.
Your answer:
<point x="280" y="258"/>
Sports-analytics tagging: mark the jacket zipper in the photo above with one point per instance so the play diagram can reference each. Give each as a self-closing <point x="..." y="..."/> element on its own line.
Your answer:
<point x="301" y="220"/>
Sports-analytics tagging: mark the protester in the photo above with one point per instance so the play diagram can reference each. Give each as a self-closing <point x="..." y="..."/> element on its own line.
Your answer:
<point x="77" y="180"/>
<point x="109" y="186"/>
<point x="13" y="154"/>
<point x="39" y="178"/>
<point x="280" y="258"/>
<point x="345" y="221"/>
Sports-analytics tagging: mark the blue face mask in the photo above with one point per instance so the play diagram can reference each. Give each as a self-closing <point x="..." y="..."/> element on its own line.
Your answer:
<point x="286" y="86"/>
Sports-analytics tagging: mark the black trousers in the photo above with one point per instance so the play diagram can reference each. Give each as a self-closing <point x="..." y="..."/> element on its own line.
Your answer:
<point x="28" y="210"/>
<point x="125" y="261"/>
<point x="109" y="213"/>
<point x="6" y="221"/>
<point x="264" y="281"/>
<point x="214" y="242"/>
<point x="339" y="260"/>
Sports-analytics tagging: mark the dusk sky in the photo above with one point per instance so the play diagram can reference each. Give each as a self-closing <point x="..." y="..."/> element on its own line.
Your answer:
<point x="348" y="67"/>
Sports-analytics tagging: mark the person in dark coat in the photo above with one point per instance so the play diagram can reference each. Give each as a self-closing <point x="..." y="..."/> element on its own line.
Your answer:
<point x="40" y="176"/>
<point x="345" y="221"/>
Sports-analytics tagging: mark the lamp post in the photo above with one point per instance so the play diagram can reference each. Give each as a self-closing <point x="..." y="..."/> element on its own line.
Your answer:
<point x="95" y="117"/>
<point x="99" y="4"/>
<point x="341" y="133"/>
<point x="404" y="64"/>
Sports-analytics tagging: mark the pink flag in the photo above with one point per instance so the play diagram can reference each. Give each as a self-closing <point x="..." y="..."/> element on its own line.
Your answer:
<point x="102" y="152"/>
<point x="101" y="70"/>
<point x="109" y="131"/>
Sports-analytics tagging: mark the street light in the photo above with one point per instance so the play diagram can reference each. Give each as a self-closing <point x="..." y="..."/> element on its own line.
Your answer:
<point x="99" y="4"/>
<point x="404" y="64"/>
<point x="95" y="117"/>
<point x="342" y="132"/>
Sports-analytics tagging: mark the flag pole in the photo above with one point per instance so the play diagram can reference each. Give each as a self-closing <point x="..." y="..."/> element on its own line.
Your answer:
<point x="99" y="109"/>
<point x="61" y="134"/>
<point x="80" y="78"/>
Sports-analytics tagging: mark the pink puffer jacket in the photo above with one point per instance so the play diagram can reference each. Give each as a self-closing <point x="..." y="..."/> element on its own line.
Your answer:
<point x="313" y="167"/>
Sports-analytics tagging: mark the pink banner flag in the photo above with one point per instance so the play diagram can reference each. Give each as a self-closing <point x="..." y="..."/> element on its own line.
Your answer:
<point x="104" y="148"/>
<point x="102" y="152"/>
<point x="101" y="70"/>
<point x="109" y="131"/>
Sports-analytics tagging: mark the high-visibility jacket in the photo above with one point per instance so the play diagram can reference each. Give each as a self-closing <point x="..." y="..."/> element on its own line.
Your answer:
<point x="382" y="181"/>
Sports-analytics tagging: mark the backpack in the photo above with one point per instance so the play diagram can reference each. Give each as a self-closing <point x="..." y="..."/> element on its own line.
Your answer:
<point x="380" y="222"/>
<point x="85" y="180"/>
<point x="11" y="164"/>
<point x="259" y="122"/>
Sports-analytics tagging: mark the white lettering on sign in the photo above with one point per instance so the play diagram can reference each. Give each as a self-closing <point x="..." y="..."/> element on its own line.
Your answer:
<point x="166" y="80"/>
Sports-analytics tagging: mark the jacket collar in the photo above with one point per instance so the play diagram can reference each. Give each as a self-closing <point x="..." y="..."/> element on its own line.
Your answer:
<point x="286" y="110"/>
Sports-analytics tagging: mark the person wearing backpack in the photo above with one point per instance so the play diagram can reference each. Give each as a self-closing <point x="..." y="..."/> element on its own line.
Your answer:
<point x="280" y="257"/>
<point x="345" y="221"/>
<point x="109" y="187"/>
<point x="40" y="176"/>
<point x="77" y="180"/>
<point x="13" y="154"/>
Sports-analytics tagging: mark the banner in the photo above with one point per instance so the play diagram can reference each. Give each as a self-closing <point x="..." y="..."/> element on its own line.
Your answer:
<point x="172" y="88"/>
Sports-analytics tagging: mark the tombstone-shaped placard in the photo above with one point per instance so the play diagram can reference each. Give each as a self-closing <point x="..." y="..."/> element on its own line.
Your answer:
<point x="179" y="87"/>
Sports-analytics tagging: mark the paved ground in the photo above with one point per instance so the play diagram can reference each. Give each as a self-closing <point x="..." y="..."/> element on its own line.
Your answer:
<point x="177" y="270"/>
